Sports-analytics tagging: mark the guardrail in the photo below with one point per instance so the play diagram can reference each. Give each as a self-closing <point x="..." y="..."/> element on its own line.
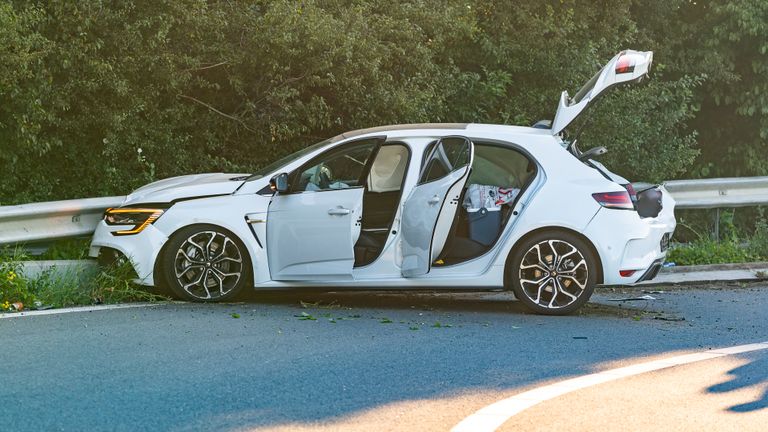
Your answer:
<point x="30" y="223"/>
<point x="46" y="221"/>
<point x="719" y="192"/>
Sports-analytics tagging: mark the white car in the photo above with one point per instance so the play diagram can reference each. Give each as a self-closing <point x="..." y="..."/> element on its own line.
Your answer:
<point x="452" y="206"/>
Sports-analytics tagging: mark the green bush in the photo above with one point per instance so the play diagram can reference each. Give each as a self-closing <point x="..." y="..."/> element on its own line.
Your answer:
<point x="14" y="287"/>
<point x="67" y="249"/>
<point x="54" y="289"/>
<point x="758" y="244"/>
<point x="100" y="97"/>
<point x="711" y="252"/>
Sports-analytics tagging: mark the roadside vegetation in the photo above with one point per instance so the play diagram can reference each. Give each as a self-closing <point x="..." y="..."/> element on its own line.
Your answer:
<point x="50" y="289"/>
<point x="100" y="97"/>
<point x="738" y="243"/>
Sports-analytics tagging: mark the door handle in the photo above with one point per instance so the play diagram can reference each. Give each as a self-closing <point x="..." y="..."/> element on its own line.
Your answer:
<point x="339" y="211"/>
<point x="434" y="200"/>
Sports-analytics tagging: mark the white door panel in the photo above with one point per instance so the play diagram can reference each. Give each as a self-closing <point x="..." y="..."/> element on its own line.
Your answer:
<point x="445" y="219"/>
<point x="311" y="235"/>
<point x="427" y="208"/>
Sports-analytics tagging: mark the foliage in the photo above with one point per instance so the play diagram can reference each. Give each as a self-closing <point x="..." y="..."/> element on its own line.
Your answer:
<point x="60" y="289"/>
<point x="67" y="249"/>
<point x="735" y="245"/>
<point x="100" y="97"/>
<point x="14" y="287"/>
<point x="707" y="251"/>
<point x="758" y="244"/>
<point x="105" y="96"/>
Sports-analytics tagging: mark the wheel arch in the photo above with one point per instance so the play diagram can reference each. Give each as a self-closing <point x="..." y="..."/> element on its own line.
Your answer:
<point x="157" y="268"/>
<point x="536" y="231"/>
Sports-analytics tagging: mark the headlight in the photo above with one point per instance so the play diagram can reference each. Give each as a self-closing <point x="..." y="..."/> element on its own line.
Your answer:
<point x="138" y="217"/>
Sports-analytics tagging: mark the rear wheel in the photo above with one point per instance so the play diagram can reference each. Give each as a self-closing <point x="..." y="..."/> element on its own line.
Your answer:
<point x="205" y="263"/>
<point x="553" y="273"/>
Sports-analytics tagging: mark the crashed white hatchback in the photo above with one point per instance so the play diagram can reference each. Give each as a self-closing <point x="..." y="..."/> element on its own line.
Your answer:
<point x="454" y="206"/>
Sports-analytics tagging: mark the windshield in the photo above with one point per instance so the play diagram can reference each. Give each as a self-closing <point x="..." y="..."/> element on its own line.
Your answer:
<point x="261" y="172"/>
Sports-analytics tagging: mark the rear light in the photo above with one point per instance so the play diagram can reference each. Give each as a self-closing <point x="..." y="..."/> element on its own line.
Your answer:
<point x="626" y="273"/>
<point x="614" y="200"/>
<point x="631" y="190"/>
<point x="625" y="64"/>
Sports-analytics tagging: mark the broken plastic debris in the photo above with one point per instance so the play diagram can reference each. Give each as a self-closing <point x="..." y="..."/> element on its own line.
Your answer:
<point x="645" y="297"/>
<point x="654" y="292"/>
<point x="666" y="318"/>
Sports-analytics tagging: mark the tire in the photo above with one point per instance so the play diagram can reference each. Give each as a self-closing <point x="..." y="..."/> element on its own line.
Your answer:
<point x="553" y="272"/>
<point x="205" y="263"/>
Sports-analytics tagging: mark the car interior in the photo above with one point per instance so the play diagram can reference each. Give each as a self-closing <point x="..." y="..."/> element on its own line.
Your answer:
<point x="501" y="172"/>
<point x="382" y="195"/>
<point x="499" y="175"/>
<point x="498" y="169"/>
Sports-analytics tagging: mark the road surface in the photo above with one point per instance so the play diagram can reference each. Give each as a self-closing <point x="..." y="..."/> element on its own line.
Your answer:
<point x="388" y="361"/>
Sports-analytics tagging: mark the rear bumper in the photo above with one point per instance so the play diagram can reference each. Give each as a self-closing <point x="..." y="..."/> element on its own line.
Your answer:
<point x="652" y="271"/>
<point x="630" y="244"/>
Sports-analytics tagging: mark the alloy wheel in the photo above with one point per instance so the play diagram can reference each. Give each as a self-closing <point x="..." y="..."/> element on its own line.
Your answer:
<point x="553" y="274"/>
<point x="208" y="265"/>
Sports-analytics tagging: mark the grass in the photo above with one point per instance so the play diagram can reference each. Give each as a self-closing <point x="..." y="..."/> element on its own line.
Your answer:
<point x="708" y="251"/>
<point x="735" y="246"/>
<point x="61" y="289"/>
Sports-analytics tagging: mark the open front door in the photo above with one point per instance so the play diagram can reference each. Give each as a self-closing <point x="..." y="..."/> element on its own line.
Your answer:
<point x="626" y="67"/>
<point x="432" y="204"/>
<point x="312" y="228"/>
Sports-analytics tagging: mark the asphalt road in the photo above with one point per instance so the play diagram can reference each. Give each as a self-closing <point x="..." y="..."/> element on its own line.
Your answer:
<point x="367" y="361"/>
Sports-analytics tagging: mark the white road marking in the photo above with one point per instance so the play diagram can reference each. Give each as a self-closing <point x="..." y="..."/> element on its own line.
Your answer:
<point x="75" y="309"/>
<point x="493" y="416"/>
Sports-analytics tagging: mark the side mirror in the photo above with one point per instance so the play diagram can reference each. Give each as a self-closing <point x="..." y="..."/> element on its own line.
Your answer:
<point x="279" y="183"/>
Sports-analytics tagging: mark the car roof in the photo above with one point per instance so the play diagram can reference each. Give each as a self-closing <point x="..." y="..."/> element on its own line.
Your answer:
<point x="424" y="129"/>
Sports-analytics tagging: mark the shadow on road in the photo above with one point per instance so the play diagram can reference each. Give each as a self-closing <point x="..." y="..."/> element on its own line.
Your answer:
<point x="754" y="373"/>
<point x="460" y="301"/>
<point x="427" y="300"/>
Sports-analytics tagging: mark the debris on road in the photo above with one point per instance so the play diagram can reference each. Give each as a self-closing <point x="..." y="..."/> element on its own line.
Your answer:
<point x="626" y="299"/>
<point x="305" y="317"/>
<point x="668" y="318"/>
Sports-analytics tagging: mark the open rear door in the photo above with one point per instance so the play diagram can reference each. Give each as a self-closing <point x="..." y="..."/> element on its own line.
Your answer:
<point x="434" y="200"/>
<point x="626" y="67"/>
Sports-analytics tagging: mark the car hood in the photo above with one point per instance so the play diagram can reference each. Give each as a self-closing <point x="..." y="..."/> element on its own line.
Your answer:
<point x="188" y="186"/>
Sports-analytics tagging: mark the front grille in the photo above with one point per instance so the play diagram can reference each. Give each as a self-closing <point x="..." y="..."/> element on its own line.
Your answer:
<point x="664" y="244"/>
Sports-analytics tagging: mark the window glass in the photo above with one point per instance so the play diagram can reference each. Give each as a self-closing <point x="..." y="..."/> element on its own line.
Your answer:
<point x="388" y="169"/>
<point x="500" y="166"/>
<point x="447" y="155"/>
<point x="274" y="166"/>
<point x="337" y="169"/>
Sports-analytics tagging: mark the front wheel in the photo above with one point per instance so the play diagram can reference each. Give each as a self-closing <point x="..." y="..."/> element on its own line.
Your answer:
<point x="553" y="273"/>
<point x="205" y="263"/>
